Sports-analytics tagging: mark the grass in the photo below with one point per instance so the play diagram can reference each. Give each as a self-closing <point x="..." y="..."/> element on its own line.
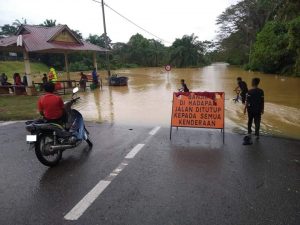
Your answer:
<point x="20" y="107"/>
<point x="11" y="67"/>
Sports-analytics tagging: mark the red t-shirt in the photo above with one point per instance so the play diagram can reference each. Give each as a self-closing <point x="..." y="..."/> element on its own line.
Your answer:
<point x="51" y="105"/>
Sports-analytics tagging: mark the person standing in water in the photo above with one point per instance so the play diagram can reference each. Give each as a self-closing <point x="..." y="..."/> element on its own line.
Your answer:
<point x="83" y="80"/>
<point x="243" y="89"/>
<point x="183" y="87"/>
<point x="95" y="77"/>
<point x="254" y="106"/>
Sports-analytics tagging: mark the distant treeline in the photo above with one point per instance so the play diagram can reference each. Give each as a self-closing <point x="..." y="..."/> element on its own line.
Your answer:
<point x="261" y="35"/>
<point x="139" y="51"/>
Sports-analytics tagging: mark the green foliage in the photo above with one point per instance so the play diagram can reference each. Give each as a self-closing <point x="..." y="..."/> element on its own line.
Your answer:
<point x="78" y="34"/>
<point x="99" y="40"/>
<point x="49" y="23"/>
<point x="263" y="28"/>
<point x="7" y="30"/>
<point x="270" y="53"/>
<point x="18" y="107"/>
<point x="80" y="66"/>
<point x="277" y="49"/>
<point x="138" y="51"/>
<point x="187" y="52"/>
<point x="294" y="43"/>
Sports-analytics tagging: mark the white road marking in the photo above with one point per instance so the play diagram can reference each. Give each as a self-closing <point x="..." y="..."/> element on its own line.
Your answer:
<point x="7" y="123"/>
<point x="134" y="151"/>
<point x="90" y="197"/>
<point x="154" y="130"/>
<point x="84" y="203"/>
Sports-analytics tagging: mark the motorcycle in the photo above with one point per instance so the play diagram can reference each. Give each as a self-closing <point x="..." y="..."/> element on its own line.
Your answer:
<point x="49" y="140"/>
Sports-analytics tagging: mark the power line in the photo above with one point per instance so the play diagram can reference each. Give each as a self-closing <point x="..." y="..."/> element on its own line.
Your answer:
<point x="130" y="21"/>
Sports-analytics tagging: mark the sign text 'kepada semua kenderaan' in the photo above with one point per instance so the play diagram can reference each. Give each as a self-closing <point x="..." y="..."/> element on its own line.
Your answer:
<point x="198" y="109"/>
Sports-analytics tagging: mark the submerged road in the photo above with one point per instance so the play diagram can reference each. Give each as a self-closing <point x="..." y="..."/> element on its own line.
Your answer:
<point x="136" y="175"/>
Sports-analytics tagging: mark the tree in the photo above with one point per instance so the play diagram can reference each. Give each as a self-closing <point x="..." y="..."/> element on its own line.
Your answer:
<point x="239" y="25"/>
<point x="270" y="53"/>
<point x="49" y="23"/>
<point x="138" y="50"/>
<point x="187" y="51"/>
<point x="294" y="42"/>
<point x="18" y="22"/>
<point x="7" y="30"/>
<point x="99" y="40"/>
<point x="77" y="33"/>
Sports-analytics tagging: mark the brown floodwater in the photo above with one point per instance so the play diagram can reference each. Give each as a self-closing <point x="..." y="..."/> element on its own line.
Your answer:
<point x="147" y="100"/>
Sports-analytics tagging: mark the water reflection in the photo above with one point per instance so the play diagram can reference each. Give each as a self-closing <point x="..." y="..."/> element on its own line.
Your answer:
<point x="148" y="97"/>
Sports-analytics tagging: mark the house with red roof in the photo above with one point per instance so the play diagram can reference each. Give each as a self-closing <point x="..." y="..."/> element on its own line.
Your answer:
<point x="41" y="39"/>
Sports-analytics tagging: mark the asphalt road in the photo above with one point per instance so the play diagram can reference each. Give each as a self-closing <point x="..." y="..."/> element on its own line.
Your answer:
<point x="136" y="175"/>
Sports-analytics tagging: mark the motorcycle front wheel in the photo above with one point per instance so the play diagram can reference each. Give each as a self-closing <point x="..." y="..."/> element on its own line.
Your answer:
<point x="43" y="152"/>
<point x="88" y="139"/>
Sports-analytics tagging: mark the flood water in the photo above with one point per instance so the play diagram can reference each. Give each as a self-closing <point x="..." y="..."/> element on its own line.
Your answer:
<point x="147" y="100"/>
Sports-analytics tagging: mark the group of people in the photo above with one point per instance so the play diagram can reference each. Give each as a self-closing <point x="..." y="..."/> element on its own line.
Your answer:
<point x="18" y="81"/>
<point x="16" y="77"/>
<point x="84" y="79"/>
<point x="50" y="105"/>
<point x="253" y="100"/>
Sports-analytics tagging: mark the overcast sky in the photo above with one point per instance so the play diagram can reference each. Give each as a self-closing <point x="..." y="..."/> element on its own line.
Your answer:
<point x="167" y="19"/>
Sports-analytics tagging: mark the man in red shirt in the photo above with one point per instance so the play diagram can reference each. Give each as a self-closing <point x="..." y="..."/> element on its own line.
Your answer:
<point x="51" y="106"/>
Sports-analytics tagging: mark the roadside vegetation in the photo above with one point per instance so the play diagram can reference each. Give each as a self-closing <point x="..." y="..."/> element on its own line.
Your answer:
<point x="139" y="51"/>
<point x="262" y="35"/>
<point x="21" y="107"/>
<point x="18" y="108"/>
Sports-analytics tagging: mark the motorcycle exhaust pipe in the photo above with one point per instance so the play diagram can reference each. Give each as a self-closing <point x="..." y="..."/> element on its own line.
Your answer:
<point x="60" y="147"/>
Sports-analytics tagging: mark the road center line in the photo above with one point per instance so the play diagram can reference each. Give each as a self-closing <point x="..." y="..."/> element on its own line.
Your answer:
<point x="91" y="196"/>
<point x="134" y="151"/>
<point x="154" y="130"/>
<point x="88" y="199"/>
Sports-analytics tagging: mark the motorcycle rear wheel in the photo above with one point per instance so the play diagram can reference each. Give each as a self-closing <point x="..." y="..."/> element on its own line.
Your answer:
<point x="43" y="152"/>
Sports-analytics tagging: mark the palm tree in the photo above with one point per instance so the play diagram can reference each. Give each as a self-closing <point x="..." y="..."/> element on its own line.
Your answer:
<point x="49" y="23"/>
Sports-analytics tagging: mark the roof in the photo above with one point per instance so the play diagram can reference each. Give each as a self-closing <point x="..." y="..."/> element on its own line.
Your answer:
<point x="56" y="39"/>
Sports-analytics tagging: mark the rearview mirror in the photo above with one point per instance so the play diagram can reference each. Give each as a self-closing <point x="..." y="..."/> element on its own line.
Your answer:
<point x="75" y="90"/>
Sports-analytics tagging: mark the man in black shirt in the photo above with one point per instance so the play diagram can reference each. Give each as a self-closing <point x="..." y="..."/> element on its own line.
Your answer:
<point x="244" y="89"/>
<point x="254" y="106"/>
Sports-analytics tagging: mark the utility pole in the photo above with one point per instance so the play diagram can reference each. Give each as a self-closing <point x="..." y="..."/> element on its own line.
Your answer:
<point x="105" y="40"/>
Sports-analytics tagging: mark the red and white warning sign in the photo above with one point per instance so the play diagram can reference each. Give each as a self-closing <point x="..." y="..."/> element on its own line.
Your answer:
<point x="168" y="68"/>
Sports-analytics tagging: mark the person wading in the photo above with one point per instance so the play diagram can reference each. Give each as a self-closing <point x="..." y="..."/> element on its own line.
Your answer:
<point x="254" y="106"/>
<point x="243" y="87"/>
<point x="183" y="87"/>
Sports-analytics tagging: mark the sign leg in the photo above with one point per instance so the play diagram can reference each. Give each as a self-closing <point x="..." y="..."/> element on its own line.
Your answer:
<point x="171" y="133"/>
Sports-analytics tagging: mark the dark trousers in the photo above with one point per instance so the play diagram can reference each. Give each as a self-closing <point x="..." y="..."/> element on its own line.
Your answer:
<point x="243" y="96"/>
<point x="257" y="118"/>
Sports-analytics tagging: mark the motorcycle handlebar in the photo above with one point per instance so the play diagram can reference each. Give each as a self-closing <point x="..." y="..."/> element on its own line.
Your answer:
<point x="75" y="99"/>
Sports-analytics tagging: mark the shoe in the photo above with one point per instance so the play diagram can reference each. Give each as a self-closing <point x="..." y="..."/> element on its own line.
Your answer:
<point x="247" y="140"/>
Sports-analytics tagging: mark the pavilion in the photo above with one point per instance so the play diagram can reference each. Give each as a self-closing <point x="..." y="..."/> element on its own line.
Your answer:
<point x="40" y="39"/>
